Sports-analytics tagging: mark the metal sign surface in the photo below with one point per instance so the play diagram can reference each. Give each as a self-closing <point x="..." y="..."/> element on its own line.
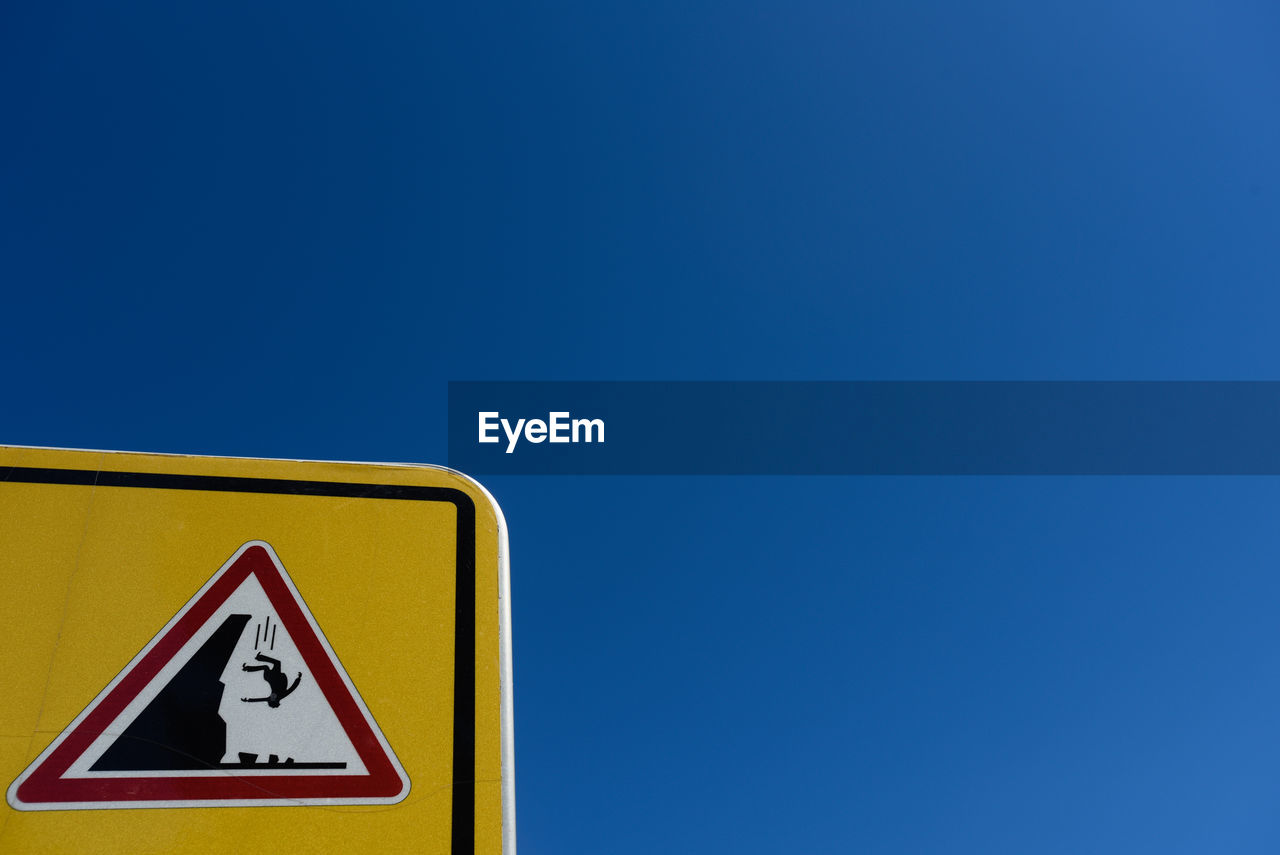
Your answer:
<point x="213" y="654"/>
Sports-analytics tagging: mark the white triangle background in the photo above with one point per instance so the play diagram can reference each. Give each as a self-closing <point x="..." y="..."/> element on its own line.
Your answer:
<point x="303" y="727"/>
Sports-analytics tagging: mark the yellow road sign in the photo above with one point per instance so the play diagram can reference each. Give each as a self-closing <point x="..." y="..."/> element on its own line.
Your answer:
<point x="222" y="655"/>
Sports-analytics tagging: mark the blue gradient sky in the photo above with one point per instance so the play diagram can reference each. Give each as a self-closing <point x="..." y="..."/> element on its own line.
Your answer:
<point x="278" y="230"/>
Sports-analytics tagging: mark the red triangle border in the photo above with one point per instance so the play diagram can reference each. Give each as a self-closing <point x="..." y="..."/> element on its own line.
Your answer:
<point x="45" y="787"/>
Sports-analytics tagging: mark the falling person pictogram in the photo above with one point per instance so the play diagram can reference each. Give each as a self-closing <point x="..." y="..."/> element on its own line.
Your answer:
<point x="276" y="681"/>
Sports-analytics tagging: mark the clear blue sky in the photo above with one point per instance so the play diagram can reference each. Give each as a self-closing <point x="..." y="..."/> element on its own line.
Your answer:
<point x="280" y="229"/>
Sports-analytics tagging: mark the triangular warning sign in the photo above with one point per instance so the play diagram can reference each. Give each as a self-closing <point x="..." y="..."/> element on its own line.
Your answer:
<point x="238" y="701"/>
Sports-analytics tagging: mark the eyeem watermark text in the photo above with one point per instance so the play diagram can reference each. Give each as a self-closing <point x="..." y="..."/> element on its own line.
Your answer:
<point x="558" y="427"/>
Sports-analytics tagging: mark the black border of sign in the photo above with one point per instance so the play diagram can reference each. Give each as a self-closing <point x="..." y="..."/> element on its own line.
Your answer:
<point x="464" y="639"/>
